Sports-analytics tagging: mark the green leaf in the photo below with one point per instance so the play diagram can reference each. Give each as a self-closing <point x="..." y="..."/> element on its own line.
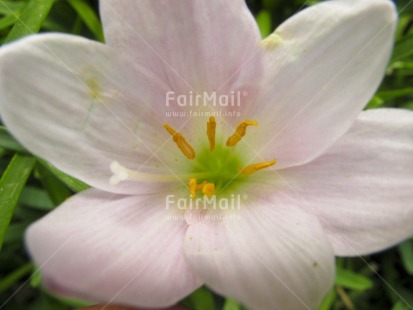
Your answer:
<point x="74" y="184"/>
<point x="406" y="254"/>
<point x="57" y="190"/>
<point x="231" y="304"/>
<point x="8" y="142"/>
<point x="9" y="280"/>
<point x="400" y="305"/>
<point x="89" y="17"/>
<point x="31" y="19"/>
<point x="36" y="278"/>
<point x="202" y="299"/>
<point x="264" y="23"/>
<point x="328" y="301"/>
<point x="15" y="233"/>
<point x="7" y="21"/>
<point x="36" y="198"/>
<point x="349" y="279"/>
<point x="408" y="106"/>
<point x="11" y="6"/>
<point x="375" y="102"/>
<point x="392" y="94"/>
<point x="72" y="302"/>
<point x="11" y="186"/>
<point x="403" y="49"/>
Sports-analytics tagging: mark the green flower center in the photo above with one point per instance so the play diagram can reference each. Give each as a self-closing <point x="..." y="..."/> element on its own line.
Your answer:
<point x="220" y="167"/>
<point x="217" y="169"/>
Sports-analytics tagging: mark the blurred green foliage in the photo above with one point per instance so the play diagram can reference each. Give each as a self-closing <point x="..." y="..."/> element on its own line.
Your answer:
<point x="381" y="281"/>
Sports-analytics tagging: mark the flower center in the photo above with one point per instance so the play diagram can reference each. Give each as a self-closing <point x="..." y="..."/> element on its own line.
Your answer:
<point x="219" y="166"/>
<point x="215" y="170"/>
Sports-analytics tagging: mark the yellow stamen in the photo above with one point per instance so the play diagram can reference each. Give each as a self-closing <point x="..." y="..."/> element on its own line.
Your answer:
<point x="211" y="126"/>
<point x="192" y="187"/>
<point x="180" y="141"/>
<point x="255" y="167"/>
<point x="240" y="132"/>
<point x="208" y="189"/>
<point x="200" y="186"/>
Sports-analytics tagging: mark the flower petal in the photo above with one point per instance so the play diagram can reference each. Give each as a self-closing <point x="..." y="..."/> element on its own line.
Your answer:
<point x="361" y="189"/>
<point x="75" y="103"/>
<point x="111" y="248"/>
<point x="268" y="255"/>
<point x="322" y="67"/>
<point x="198" y="46"/>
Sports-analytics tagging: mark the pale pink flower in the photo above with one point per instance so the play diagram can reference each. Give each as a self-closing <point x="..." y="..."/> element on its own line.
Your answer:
<point x="342" y="184"/>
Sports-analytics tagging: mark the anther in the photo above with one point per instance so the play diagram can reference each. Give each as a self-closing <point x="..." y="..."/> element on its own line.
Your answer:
<point x="255" y="167"/>
<point x="240" y="131"/>
<point x="192" y="187"/>
<point x="211" y="127"/>
<point x="208" y="189"/>
<point x="180" y="141"/>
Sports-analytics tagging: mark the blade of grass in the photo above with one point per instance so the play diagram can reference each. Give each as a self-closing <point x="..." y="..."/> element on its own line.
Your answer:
<point x="396" y="93"/>
<point x="7" y="21"/>
<point x="406" y="254"/>
<point x="89" y="17"/>
<point x="31" y="19"/>
<point x="403" y="49"/>
<point x="231" y="304"/>
<point x="328" y="301"/>
<point x="74" y="184"/>
<point x="264" y="23"/>
<point x="349" y="279"/>
<point x="11" y="186"/>
<point x="56" y="189"/>
<point x="8" y="6"/>
<point x="15" y="276"/>
<point x="202" y="299"/>
<point x="36" y="198"/>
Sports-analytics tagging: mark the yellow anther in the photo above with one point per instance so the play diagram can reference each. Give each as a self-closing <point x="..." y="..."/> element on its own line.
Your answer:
<point x="192" y="187"/>
<point x="240" y="132"/>
<point x="205" y="187"/>
<point x="255" y="167"/>
<point x="180" y="141"/>
<point x="200" y="186"/>
<point x="208" y="189"/>
<point x="211" y="126"/>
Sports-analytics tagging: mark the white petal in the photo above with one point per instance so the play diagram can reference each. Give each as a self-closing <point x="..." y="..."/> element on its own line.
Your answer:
<point x="110" y="248"/>
<point x="323" y="67"/>
<point x="361" y="189"/>
<point x="268" y="255"/>
<point x="199" y="46"/>
<point x="75" y="103"/>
